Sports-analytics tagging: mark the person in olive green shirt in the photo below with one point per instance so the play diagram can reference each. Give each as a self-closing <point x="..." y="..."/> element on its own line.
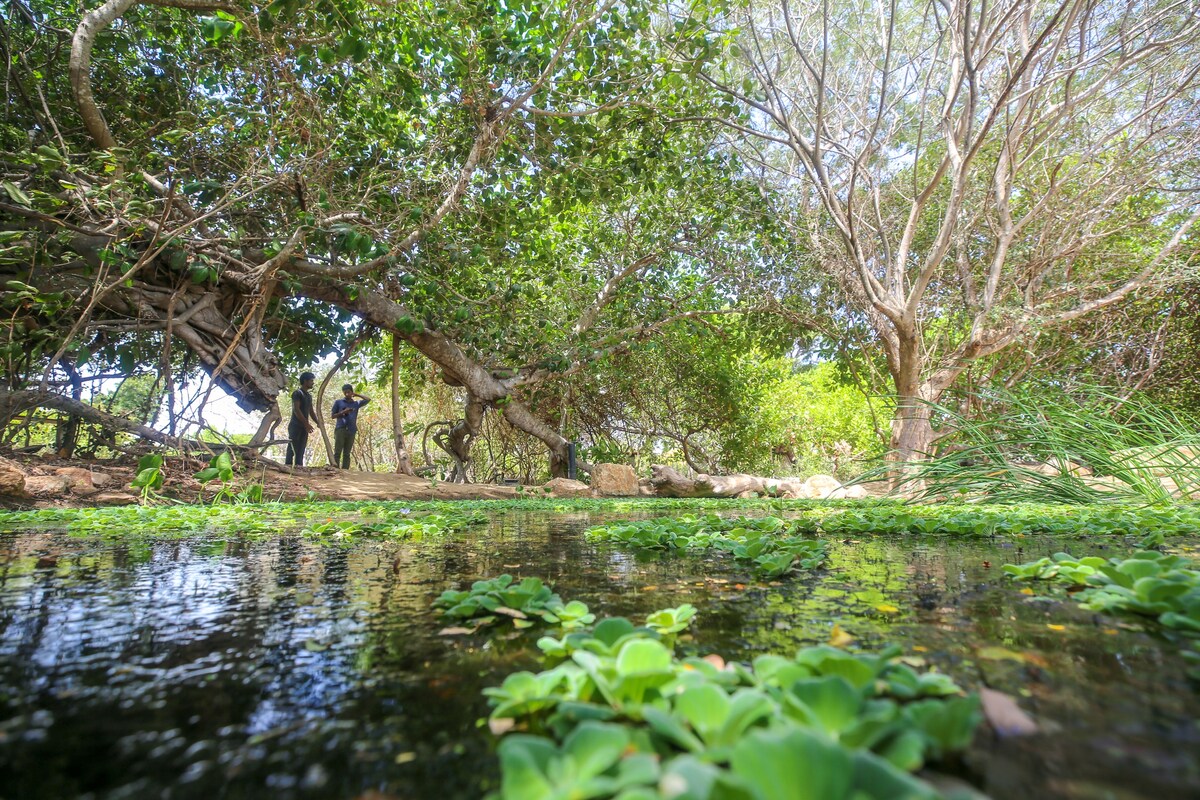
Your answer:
<point x="345" y="414"/>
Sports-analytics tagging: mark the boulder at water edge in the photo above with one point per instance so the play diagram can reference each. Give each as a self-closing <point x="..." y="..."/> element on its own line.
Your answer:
<point x="615" y="480"/>
<point x="12" y="479"/>
<point x="565" y="487"/>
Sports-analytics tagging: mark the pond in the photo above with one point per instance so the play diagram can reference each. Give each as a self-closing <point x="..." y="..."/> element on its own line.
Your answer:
<point x="210" y="666"/>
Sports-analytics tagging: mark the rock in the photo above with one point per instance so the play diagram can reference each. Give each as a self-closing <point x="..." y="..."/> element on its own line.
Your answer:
<point x="113" y="499"/>
<point x="565" y="487"/>
<point x="1057" y="466"/>
<point x="1106" y="484"/>
<point x="101" y="479"/>
<point x="791" y="488"/>
<point x="47" y="485"/>
<point x="1187" y="490"/>
<point x="12" y="479"/>
<point x="849" y="493"/>
<point x="819" y="487"/>
<point x="81" y="480"/>
<point x="615" y="480"/>
<point x="1159" y="461"/>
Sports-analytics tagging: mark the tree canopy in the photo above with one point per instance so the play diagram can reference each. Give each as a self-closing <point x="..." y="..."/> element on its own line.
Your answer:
<point x="557" y="204"/>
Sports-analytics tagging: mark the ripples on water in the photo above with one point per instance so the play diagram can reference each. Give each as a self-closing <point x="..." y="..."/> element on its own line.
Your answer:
<point x="285" y="668"/>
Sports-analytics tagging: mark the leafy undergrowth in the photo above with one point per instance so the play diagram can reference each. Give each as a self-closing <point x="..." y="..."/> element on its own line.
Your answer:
<point x="1150" y="583"/>
<point x="966" y="519"/>
<point x="405" y="525"/>
<point x="835" y="517"/>
<point x="619" y="715"/>
<point x="264" y="518"/>
<point x="486" y="601"/>
<point x="771" y="544"/>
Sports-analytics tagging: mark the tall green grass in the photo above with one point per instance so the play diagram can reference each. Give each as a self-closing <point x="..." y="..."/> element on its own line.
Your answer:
<point x="1045" y="443"/>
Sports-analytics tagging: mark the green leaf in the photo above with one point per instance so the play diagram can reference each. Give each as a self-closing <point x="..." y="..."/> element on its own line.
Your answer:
<point x="793" y="765"/>
<point x="19" y="197"/>
<point x="831" y="703"/>
<point x="642" y="656"/>
<point x="705" y="708"/>
<point x="595" y="746"/>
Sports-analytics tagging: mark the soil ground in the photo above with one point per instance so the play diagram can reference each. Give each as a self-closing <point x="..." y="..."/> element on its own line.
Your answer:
<point x="321" y="483"/>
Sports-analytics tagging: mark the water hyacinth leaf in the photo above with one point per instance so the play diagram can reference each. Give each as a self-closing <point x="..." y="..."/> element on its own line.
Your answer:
<point x="523" y="762"/>
<point x="644" y="656"/>
<point x="905" y="751"/>
<point x="671" y="729"/>
<point x="609" y="631"/>
<point x="595" y="746"/>
<point x="704" y="707"/>
<point x="948" y="724"/>
<point x="832" y="702"/>
<point x="794" y="764"/>
<point x="878" y="779"/>
<point x="687" y="778"/>
<point x="749" y="708"/>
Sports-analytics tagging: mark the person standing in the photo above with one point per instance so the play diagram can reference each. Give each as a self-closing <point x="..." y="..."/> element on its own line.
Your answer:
<point x="345" y="412"/>
<point x="303" y="421"/>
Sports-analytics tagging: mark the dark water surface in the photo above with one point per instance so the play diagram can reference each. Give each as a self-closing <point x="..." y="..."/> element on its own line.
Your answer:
<point x="280" y="667"/>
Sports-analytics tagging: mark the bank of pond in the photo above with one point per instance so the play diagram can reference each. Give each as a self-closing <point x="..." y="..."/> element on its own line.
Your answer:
<point x="640" y="649"/>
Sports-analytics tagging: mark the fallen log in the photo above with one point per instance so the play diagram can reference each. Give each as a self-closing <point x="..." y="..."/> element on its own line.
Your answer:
<point x="667" y="482"/>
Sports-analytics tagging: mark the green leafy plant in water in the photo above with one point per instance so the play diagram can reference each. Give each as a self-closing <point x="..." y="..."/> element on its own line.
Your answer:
<point x="220" y="467"/>
<point x="671" y="621"/>
<point x="620" y="716"/>
<point x="772" y="545"/>
<point x="399" y="525"/>
<point x="149" y="478"/>
<point x="487" y="600"/>
<point x="970" y="520"/>
<point x="1150" y="583"/>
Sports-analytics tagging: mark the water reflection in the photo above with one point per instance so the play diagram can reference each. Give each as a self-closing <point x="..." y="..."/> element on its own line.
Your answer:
<point x="280" y="667"/>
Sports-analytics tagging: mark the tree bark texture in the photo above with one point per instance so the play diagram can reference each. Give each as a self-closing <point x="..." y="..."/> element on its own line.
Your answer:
<point x="668" y="482"/>
<point x="403" y="459"/>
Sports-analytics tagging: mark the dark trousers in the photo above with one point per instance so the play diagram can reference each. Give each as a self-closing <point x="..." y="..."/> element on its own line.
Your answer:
<point x="343" y="441"/>
<point x="298" y="441"/>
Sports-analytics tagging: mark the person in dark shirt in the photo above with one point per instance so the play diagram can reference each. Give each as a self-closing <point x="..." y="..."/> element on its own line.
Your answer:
<point x="345" y="414"/>
<point x="303" y="421"/>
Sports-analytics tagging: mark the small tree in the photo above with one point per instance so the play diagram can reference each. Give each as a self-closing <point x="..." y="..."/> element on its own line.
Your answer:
<point x="967" y="173"/>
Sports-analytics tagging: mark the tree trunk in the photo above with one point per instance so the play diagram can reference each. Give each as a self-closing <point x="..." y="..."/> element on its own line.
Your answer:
<point x="913" y="437"/>
<point x="403" y="459"/>
<point x="266" y="428"/>
<point x="321" y="417"/>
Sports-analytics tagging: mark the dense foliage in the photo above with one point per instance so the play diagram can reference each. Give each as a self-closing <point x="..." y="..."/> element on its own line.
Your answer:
<point x="544" y="203"/>
<point x="773" y="546"/>
<point x="1151" y="583"/>
<point x="621" y="716"/>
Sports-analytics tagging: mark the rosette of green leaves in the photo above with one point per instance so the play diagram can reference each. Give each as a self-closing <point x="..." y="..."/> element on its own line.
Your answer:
<point x="625" y="718"/>
<point x="502" y="596"/>
<point x="1154" y="584"/>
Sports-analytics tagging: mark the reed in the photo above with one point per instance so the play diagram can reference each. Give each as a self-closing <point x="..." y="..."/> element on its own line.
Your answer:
<point x="1047" y="443"/>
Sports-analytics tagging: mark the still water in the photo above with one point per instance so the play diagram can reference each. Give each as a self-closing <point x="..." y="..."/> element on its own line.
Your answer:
<point x="285" y="668"/>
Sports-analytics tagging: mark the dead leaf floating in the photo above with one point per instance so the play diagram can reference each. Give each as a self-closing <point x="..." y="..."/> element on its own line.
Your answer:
<point x="839" y="638"/>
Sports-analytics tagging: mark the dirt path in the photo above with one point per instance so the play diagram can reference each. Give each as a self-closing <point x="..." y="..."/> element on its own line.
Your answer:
<point x="53" y="482"/>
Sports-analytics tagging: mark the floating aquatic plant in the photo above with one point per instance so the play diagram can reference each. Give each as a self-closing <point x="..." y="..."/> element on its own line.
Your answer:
<point x="774" y="546"/>
<point x="619" y="715"/>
